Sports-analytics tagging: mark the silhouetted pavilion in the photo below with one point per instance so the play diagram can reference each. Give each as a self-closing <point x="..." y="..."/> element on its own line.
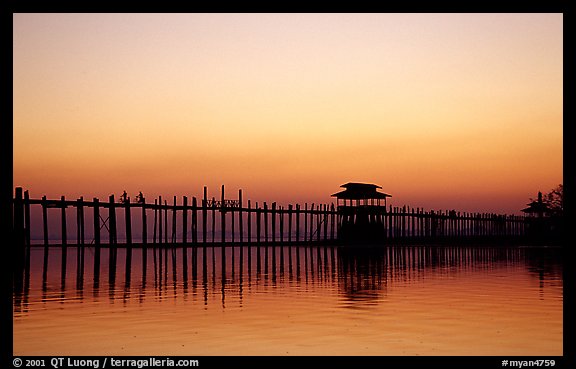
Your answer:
<point x="360" y="194"/>
<point x="542" y="226"/>
<point x="537" y="208"/>
<point x="360" y="213"/>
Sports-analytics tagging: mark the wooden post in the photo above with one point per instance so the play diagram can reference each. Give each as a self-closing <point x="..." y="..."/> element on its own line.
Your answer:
<point x="173" y="238"/>
<point x="185" y="220"/>
<point x="396" y="223"/>
<point x="96" y="221"/>
<point x="479" y="223"/>
<point x="305" y="221"/>
<point x="78" y="224"/>
<point x="495" y="225"/>
<point x="19" y="218"/>
<point x="112" y="220"/>
<point x="382" y="225"/>
<point x="194" y="221"/>
<point x="404" y="221"/>
<point x="144" y="224"/>
<point x="390" y="229"/>
<point x="232" y="226"/>
<point x="423" y="223"/>
<point x="412" y="222"/>
<point x="325" y="222"/>
<point x="434" y="225"/>
<point x="311" y="221"/>
<point x="290" y="223"/>
<point x="128" y="216"/>
<point x="82" y="227"/>
<point x="392" y="221"/>
<point x="474" y="228"/>
<point x="439" y="223"/>
<point x="418" y="223"/>
<point x="458" y="225"/>
<point x="240" y="221"/>
<point x="400" y="222"/>
<point x="319" y="224"/>
<point x="258" y="225"/>
<point x="266" y="223"/>
<point x="249" y="221"/>
<point x="273" y="222"/>
<point x="222" y="216"/>
<point x="213" y="208"/>
<point x="332" y="220"/>
<point x="27" y="218"/>
<point x="45" y="220"/>
<point x="281" y="213"/>
<point x="64" y="231"/>
<point x="204" y="214"/>
<point x="281" y="237"/>
<point x="155" y="222"/>
<point x="165" y="221"/>
<point x="297" y="223"/>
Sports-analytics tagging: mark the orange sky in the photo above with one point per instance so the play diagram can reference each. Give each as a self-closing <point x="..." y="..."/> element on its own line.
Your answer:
<point x="443" y="111"/>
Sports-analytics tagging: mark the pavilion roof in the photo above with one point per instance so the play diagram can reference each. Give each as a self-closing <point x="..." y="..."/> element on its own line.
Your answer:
<point x="356" y="191"/>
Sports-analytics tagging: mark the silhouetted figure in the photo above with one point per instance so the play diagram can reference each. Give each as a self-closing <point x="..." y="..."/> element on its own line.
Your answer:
<point x="140" y="198"/>
<point x="124" y="197"/>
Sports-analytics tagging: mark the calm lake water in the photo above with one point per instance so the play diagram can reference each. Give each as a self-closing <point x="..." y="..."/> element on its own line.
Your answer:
<point x="290" y="301"/>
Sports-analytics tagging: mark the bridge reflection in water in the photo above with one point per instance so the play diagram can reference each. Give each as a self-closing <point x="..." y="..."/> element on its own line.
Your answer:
<point x="362" y="275"/>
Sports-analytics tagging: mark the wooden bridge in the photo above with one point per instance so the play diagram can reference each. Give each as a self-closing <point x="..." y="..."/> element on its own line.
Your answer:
<point x="231" y="222"/>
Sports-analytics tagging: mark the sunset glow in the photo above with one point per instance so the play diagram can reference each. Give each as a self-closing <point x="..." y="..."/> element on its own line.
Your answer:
<point x="448" y="111"/>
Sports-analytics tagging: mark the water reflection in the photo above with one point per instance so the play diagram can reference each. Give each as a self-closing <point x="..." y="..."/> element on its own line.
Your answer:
<point x="362" y="276"/>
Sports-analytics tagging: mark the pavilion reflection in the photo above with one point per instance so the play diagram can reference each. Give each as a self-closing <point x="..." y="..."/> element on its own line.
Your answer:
<point x="210" y="274"/>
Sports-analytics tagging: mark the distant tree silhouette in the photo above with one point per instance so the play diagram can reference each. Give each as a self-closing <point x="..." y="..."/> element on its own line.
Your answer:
<point x="555" y="200"/>
<point x="548" y="224"/>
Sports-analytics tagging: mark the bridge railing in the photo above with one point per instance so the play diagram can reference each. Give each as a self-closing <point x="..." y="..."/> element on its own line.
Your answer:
<point x="227" y="221"/>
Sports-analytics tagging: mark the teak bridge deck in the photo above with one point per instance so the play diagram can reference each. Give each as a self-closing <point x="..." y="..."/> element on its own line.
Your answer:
<point x="197" y="224"/>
